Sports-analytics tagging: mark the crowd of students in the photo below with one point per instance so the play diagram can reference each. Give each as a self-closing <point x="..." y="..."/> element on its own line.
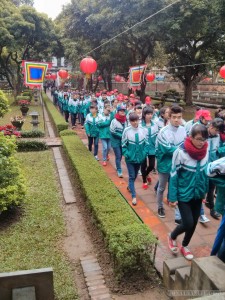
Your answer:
<point x="148" y="137"/>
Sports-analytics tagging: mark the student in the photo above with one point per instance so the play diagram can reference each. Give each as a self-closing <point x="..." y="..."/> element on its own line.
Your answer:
<point x="152" y="129"/>
<point x="216" y="171"/>
<point x="164" y="114"/>
<point x="214" y="144"/>
<point x="169" y="138"/>
<point x="117" y="127"/>
<point x="104" y="133"/>
<point x="82" y="110"/>
<point x="188" y="167"/>
<point x="92" y="131"/>
<point x="73" y="109"/>
<point x="135" y="148"/>
<point x="65" y="107"/>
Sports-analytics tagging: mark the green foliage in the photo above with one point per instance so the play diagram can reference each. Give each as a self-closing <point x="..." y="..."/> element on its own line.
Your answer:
<point x="55" y="115"/>
<point x="32" y="134"/>
<point x="26" y="146"/>
<point x="4" y="104"/>
<point x="67" y="132"/>
<point x="129" y="241"/>
<point x="12" y="188"/>
<point x="34" y="240"/>
<point x="27" y="94"/>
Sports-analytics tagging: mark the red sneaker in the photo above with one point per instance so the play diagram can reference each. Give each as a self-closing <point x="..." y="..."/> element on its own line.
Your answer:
<point x="149" y="180"/>
<point x="186" y="253"/>
<point x="104" y="163"/>
<point x="172" y="245"/>
<point x="145" y="186"/>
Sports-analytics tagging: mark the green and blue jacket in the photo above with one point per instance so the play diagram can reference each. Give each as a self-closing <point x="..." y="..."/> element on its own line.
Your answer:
<point x="152" y="131"/>
<point x="188" y="177"/>
<point x="104" y="126"/>
<point x="135" y="144"/>
<point x="168" y="140"/>
<point x="116" y="131"/>
<point x="91" y="125"/>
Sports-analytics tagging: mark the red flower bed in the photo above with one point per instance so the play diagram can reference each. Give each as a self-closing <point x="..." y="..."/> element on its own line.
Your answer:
<point x="10" y="130"/>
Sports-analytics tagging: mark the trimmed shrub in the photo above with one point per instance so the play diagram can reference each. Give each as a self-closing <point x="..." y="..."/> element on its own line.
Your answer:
<point x="4" y="104"/>
<point x="56" y="117"/>
<point x="12" y="183"/>
<point x="130" y="242"/>
<point x="27" y="94"/>
<point x="32" y="134"/>
<point x="67" y="132"/>
<point x="26" y="146"/>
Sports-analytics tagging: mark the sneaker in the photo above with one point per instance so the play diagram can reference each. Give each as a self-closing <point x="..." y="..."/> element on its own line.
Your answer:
<point x="214" y="214"/>
<point x="128" y="189"/>
<point x="186" y="253"/>
<point x="172" y="245"/>
<point x="178" y="221"/>
<point x="139" y="173"/>
<point x="149" y="180"/>
<point x="203" y="219"/>
<point x="145" y="186"/>
<point x="134" y="201"/>
<point x="161" y="212"/>
<point x="120" y="174"/>
<point x="104" y="163"/>
<point x="108" y="157"/>
<point x="96" y="157"/>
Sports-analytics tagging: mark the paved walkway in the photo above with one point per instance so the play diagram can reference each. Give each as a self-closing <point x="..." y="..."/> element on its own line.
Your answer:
<point x="146" y="209"/>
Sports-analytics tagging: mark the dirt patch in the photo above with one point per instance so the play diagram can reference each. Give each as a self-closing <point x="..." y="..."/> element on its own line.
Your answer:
<point x="84" y="238"/>
<point x="10" y="217"/>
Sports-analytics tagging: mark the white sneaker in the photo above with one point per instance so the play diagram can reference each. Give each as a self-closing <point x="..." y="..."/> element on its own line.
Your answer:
<point x="203" y="219"/>
<point x="96" y="157"/>
<point x="139" y="172"/>
<point x="134" y="201"/>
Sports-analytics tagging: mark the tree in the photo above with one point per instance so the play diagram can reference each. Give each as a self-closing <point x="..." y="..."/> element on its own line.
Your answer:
<point x="192" y="32"/>
<point x="23" y="2"/>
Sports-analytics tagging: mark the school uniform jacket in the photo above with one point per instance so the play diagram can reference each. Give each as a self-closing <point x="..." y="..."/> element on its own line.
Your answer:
<point x="135" y="144"/>
<point x="91" y="125"/>
<point x="104" y="126"/>
<point x="168" y="140"/>
<point x="188" y="177"/>
<point x="152" y="132"/>
<point x="116" y="131"/>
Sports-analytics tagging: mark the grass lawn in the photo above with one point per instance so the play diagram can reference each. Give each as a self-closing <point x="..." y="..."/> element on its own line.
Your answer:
<point x="15" y="111"/>
<point x="34" y="240"/>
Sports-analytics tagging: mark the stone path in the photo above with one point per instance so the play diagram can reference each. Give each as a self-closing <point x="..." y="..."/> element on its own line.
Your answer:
<point x="146" y="209"/>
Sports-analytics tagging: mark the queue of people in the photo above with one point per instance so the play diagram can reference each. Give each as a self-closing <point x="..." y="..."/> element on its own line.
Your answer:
<point x="149" y="138"/>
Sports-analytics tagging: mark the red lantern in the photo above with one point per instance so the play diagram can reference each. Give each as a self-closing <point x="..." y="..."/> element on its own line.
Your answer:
<point x="48" y="76"/>
<point x="222" y="72"/>
<point x="117" y="78"/>
<point x="100" y="78"/>
<point x="53" y="76"/>
<point x="88" y="65"/>
<point x="63" y="74"/>
<point x="150" y="77"/>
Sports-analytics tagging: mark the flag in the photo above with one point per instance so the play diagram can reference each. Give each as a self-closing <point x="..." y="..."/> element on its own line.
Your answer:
<point x="34" y="72"/>
<point x="136" y="76"/>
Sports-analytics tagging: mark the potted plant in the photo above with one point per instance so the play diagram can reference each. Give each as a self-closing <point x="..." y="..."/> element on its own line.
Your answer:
<point x="9" y="130"/>
<point x="24" y="106"/>
<point x="17" y="121"/>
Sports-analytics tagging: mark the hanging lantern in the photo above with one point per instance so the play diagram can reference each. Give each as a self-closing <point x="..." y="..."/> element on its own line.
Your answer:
<point x="53" y="76"/>
<point x="100" y="78"/>
<point x="150" y="77"/>
<point x="222" y="71"/>
<point x="63" y="74"/>
<point x="88" y="65"/>
<point x="47" y="76"/>
<point x="117" y="78"/>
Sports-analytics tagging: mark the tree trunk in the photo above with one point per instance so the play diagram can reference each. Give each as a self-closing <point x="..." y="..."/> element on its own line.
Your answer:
<point x="188" y="88"/>
<point x="109" y="81"/>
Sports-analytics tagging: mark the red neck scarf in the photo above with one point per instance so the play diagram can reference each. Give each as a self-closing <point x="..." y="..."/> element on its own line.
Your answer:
<point x="222" y="136"/>
<point x="194" y="152"/>
<point x="121" y="119"/>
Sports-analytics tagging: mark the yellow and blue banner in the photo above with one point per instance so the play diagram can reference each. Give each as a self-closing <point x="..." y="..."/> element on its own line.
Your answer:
<point x="136" y="76"/>
<point x="34" y="72"/>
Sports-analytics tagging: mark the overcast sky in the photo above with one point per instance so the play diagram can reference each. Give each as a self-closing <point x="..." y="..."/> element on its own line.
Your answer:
<point x="51" y="7"/>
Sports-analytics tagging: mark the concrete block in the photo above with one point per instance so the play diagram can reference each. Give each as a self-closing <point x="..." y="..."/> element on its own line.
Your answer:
<point x="181" y="280"/>
<point x="93" y="283"/>
<point x="98" y="292"/>
<point x="219" y="296"/>
<point x="169" y="268"/>
<point x="27" y="293"/>
<point x="40" y="279"/>
<point x="207" y="273"/>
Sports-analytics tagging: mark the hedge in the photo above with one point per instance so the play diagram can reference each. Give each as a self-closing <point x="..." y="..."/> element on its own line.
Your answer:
<point x="18" y="98"/>
<point x="32" y="134"/>
<point x="67" y="132"/>
<point x="55" y="115"/>
<point x="129" y="241"/>
<point x="26" y="146"/>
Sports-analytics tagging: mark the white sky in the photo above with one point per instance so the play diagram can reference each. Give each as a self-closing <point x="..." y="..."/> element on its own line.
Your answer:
<point x="51" y="7"/>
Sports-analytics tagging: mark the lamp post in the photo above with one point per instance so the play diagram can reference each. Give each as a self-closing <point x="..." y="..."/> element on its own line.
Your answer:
<point x="34" y="121"/>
